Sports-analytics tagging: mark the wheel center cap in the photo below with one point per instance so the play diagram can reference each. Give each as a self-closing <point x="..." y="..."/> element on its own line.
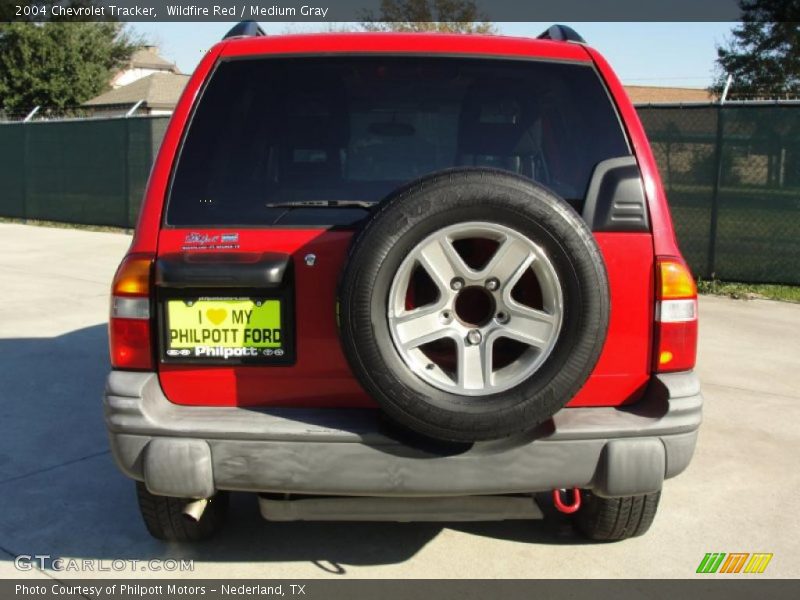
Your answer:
<point x="474" y="306"/>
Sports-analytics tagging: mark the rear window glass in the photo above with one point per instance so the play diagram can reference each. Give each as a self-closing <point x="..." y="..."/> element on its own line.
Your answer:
<point x="282" y="130"/>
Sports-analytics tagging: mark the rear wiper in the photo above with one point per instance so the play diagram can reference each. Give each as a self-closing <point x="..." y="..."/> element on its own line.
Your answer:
<point x="322" y="204"/>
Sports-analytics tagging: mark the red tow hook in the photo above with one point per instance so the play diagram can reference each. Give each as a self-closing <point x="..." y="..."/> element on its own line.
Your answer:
<point x="567" y="508"/>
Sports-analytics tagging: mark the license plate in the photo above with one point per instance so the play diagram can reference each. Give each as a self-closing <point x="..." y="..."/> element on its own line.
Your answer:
<point x="226" y="330"/>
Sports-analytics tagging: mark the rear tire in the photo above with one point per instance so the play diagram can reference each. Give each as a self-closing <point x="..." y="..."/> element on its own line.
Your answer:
<point x="163" y="516"/>
<point x="614" y="519"/>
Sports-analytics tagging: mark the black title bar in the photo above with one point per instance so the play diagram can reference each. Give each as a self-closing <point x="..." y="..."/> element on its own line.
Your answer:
<point x="359" y="10"/>
<point x="219" y="589"/>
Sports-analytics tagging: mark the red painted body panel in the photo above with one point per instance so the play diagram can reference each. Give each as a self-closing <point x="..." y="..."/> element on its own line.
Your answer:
<point x="405" y="43"/>
<point x="664" y="241"/>
<point x="321" y="376"/>
<point x="624" y="366"/>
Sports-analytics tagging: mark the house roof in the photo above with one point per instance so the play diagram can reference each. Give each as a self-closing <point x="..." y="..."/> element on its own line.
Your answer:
<point x="158" y="90"/>
<point x="645" y="94"/>
<point x="147" y="57"/>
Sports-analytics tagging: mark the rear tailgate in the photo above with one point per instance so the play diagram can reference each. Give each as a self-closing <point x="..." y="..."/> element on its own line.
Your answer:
<point x="319" y="376"/>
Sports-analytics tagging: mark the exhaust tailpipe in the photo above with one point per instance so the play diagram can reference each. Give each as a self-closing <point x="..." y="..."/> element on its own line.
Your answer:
<point x="194" y="510"/>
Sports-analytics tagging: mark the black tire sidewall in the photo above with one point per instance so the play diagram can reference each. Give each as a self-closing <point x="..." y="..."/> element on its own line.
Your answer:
<point x="420" y="209"/>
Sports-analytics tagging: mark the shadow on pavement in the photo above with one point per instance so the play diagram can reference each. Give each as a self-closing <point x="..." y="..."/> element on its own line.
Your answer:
<point x="63" y="496"/>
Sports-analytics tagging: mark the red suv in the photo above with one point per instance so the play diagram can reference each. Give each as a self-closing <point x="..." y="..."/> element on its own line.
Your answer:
<point x="403" y="277"/>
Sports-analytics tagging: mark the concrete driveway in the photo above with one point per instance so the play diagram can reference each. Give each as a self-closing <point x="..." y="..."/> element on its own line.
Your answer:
<point x="62" y="495"/>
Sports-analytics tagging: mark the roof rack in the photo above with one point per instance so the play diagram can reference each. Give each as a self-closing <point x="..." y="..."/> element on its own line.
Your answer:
<point x="245" y="29"/>
<point x="561" y="33"/>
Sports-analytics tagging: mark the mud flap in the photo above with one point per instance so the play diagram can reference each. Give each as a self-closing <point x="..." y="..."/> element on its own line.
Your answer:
<point x="178" y="467"/>
<point x="630" y="467"/>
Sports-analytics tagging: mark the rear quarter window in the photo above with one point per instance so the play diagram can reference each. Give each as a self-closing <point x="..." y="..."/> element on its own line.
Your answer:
<point x="277" y="130"/>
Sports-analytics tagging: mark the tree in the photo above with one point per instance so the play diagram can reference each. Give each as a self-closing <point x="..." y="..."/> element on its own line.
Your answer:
<point x="763" y="54"/>
<point x="454" y="16"/>
<point x="59" y="64"/>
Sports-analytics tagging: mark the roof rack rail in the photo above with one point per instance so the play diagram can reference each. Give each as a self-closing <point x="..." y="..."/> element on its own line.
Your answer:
<point x="245" y="29"/>
<point x="561" y="33"/>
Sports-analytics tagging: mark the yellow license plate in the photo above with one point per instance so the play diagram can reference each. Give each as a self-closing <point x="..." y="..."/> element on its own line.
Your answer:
<point x="224" y="329"/>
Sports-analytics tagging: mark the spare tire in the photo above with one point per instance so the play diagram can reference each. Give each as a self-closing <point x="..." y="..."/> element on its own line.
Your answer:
<point x="474" y="304"/>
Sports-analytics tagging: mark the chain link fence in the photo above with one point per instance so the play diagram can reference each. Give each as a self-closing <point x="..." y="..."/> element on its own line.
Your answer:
<point x="731" y="173"/>
<point x="39" y="113"/>
<point x="732" y="176"/>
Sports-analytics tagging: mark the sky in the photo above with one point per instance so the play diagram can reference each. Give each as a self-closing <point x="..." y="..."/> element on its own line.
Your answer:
<point x="660" y="54"/>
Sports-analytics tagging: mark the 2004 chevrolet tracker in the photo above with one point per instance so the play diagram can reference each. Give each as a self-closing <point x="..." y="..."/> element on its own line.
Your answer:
<point x="463" y="255"/>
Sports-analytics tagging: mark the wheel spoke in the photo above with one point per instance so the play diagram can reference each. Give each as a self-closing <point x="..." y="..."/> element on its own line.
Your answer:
<point x="509" y="262"/>
<point x="529" y="326"/>
<point x="442" y="262"/>
<point x="419" y="327"/>
<point x="474" y="365"/>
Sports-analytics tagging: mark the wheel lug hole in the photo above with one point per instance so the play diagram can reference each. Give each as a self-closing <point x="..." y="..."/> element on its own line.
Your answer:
<point x="501" y="317"/>
<point x="492" y="284"/>
<point x="474" y="337"/>
<point x="446" y="316"/>
<point x="456" y="284"/>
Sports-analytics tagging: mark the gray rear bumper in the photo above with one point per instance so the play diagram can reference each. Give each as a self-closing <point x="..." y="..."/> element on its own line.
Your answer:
<point x="193" y="451"/>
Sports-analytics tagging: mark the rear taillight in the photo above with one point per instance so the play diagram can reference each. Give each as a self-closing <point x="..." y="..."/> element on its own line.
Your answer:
<point x="676" y="317"/>
<point x="129" y="325"/>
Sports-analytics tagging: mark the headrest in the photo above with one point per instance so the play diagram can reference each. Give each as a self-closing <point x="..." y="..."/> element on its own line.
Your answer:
<point x="316" y="117"/>
<point x="496" y="118"/>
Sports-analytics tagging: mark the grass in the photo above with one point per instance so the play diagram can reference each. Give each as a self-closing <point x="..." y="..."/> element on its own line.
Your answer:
<point x="61" y="225"/>
<point x="747" y="291"/>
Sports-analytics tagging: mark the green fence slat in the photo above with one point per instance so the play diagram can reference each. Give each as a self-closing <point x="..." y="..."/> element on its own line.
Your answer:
<point x="12" y="171"/>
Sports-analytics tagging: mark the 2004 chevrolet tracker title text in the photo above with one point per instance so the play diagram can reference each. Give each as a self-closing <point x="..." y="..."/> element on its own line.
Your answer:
<point x="241" y="11"/>
<point x="111" y="10"/>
